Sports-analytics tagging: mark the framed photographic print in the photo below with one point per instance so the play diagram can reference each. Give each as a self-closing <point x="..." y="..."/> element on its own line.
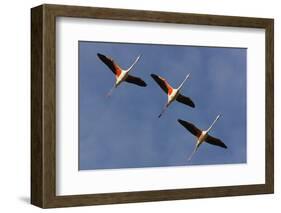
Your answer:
<point x="135" y="106"/>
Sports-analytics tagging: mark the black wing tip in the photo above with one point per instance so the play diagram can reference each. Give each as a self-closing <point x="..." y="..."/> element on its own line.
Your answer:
<point x="101" y="56"/>
<point x="153" y="76"/>
<point x="181" y="121"/>
<point x="223" y="145"/>
<point x="143" y="84"/>
<point x="191" y="103"/>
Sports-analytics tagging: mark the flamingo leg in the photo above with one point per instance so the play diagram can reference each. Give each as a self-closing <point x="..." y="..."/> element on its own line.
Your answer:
<point x="110" y="91"/>
<point x="163" y="110"/>
<point x="191" y="155"/>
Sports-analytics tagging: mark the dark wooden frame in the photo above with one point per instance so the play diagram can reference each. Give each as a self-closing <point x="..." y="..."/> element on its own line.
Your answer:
<point x="43" y="105"/>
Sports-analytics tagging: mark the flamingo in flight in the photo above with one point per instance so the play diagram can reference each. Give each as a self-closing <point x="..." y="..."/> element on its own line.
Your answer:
<point x="121" y="74"/>
<point x="201" y="135"/>
<point x="173" y="94"/>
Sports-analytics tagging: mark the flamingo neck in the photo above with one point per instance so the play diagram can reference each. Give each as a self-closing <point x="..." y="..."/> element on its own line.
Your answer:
<point x="128" y="70"/>
<point x="213" y="123"/>
<point x="183" y="82"/>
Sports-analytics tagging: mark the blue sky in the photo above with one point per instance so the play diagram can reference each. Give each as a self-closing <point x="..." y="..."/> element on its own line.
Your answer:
<point x="123" y="131"/>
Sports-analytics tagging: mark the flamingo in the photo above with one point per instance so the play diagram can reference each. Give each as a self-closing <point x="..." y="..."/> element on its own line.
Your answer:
<point x="121" y="74"/>
<point x="202" y="136"/>
<point x="173" y="94"/>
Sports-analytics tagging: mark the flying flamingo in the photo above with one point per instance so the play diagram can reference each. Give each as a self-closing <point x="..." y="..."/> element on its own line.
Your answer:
<point x="121" y="74"/>
<point x="202" y="136"/>
<point x="173" y="94"/>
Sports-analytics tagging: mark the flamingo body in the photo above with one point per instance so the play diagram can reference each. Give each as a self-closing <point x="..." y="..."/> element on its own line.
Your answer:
<point x="172" y="96"/>
<point x="120" y="78"/>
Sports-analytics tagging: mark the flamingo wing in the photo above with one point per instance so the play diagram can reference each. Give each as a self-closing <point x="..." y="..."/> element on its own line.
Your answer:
<point x="215" y="141"/>
<point x="190" y="127"/>
<point x="162" y="83"/>
<point x="135" y="80"/>
<point x="110" y="64"/>
<point x="185" y="100"/>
